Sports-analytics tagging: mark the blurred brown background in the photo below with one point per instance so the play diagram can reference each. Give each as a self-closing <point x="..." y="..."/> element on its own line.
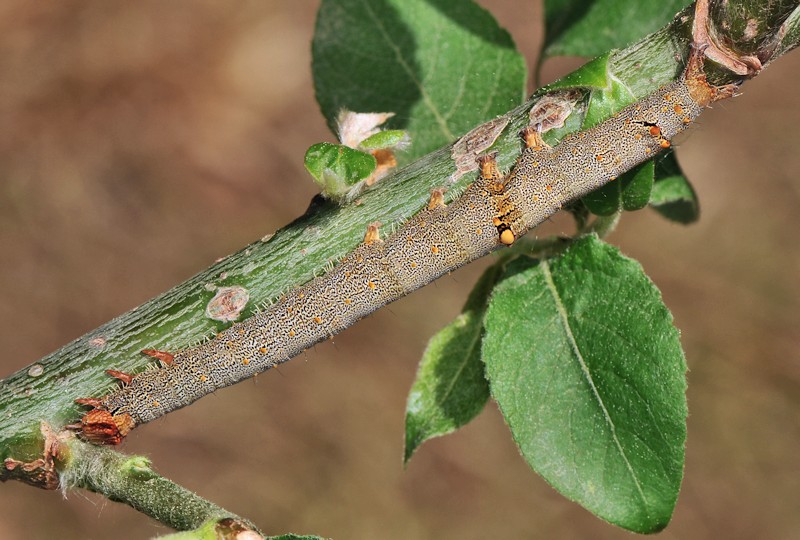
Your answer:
<point x="140" y="141"/>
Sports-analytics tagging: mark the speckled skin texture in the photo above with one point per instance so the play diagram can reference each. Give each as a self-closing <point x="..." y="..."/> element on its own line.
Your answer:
<point x="435" y="241"/>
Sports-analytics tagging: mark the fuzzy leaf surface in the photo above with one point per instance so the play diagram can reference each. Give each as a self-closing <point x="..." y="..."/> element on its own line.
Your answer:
<point x="591" y="27"/>
<point x="592" y="385"/>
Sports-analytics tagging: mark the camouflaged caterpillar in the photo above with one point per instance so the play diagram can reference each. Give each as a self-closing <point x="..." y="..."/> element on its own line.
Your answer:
<point x="492" y="212"/>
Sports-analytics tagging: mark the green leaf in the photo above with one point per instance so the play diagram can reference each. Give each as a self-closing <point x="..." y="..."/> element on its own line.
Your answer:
<point x="442" y="66"/>
<point x="592" y="384"/>
<point x="672" y="195"/>
<point x="383" y="139"/>
<point x="336" y="168"/>
<point x="450" y="388"/>
<point x="589" y="28"/>
<point x="631" y="191"/>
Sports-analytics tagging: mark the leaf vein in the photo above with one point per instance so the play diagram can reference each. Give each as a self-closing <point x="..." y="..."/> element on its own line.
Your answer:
<point x="562" y="312"/>
<point x="426" y="98"/>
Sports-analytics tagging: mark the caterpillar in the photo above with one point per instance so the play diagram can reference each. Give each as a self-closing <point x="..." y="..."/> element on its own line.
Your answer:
<point x="494" y="211"/>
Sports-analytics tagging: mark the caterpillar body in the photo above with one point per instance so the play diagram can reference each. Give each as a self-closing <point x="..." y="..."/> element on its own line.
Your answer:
<point x="492" y="212"/>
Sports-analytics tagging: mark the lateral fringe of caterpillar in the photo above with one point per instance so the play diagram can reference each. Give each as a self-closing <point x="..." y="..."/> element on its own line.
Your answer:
<point x="493" y="211"/>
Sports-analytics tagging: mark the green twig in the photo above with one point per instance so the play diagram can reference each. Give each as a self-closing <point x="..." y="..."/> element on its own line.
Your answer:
<point x="130" y="480"/>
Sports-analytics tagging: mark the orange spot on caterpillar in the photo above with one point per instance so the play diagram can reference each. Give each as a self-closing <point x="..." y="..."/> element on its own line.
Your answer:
<point x="535" y="198"/>
<point x="203" y="378"/>
<point x="664" y="143"/>
<point x="479" y="231"/>
<point x="373" y="233"/>
<point x="687" y="120"/>
<point x="535" y="163"/>
<point x="613" y="178"/>
<point x="496" y="222"/>
<point x="371" y="285"/>
<point x="262" y="350"/>
<point x="488" y="166"/>
<point x="667" y="97"/>
<point x="413" y="264"/>
<point x="678" y="109"/>
<point x="318" y="320"/>
<point x="655" y="131"/>
<point x="302" y="295"/>
<point x="437" y="199"/>
<point x="156" y="404"/>
<point x="422" y="223"/>
<point x="599" y="157"/>
<point x="532" y="138"/>
<point x="638" y="136"/>
<point x="246" y="361"/>
<point x="164" y="356"/>
<point x="548" y="187"/>
<point x="347" y="301"/>
<point x="122" y="376"/>
<point x="434" y="249"/>
<point x="291" y="333"/>
<point x="647" y="150"/>
<point x="507" y="237"/>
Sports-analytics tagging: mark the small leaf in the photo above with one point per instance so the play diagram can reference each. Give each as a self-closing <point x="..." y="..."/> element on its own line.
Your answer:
<point x="383" y="139"/>
<point x="672" y="195"/>
<point x="442" y="67"/>
<point x="337" y="168"/>
<point x="354" y="127"/>
<point x="631" y="191"/>
<point x="450" y="389"/>
<point x="592" y="385"/>
<point x="591" y="27"/>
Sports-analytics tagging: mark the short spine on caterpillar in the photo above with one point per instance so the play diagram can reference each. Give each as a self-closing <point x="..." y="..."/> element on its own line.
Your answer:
<point x="492" y="212"/>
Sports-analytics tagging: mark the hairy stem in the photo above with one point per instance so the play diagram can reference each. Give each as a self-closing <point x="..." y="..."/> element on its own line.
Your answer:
<point x="130" y="480"/>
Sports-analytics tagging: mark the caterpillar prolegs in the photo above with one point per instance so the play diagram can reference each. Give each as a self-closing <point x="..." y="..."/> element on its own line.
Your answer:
<point x="493" y="211"/>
